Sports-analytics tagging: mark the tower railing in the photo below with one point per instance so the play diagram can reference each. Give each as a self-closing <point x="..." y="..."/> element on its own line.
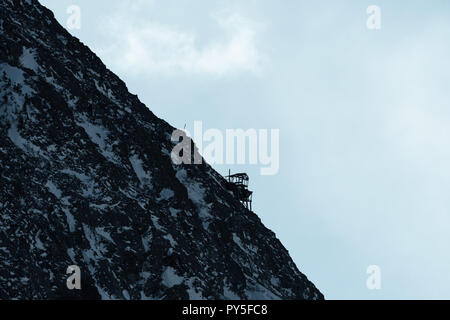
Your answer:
<point x="238" y="184"/>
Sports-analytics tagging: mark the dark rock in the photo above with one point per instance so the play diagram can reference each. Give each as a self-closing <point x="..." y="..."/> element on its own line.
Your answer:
<point x="83" y="163"/>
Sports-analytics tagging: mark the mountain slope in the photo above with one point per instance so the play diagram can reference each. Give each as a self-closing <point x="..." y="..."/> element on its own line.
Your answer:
<point x="87" y="179"/>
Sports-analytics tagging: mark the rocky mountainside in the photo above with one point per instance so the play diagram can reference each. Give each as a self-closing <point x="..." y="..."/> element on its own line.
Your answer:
<point x="86" y="179"/>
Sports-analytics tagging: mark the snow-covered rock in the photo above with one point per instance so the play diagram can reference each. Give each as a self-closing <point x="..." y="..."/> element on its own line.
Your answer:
<point x="86" y="179"/>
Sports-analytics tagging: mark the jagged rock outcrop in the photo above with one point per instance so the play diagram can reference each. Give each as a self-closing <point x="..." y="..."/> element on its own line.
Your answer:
<point x="86" y="178"/>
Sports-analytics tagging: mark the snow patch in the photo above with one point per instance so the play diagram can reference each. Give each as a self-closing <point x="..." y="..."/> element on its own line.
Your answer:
<point x="70" y="219"/>
<point x="28" y="59"/>
<point x="99" y="136"/>
<point x="146" y="241"/>
<point x="14" y="74"/>
<point x="88" y="183"/>
<point x="166" y="194"/>
<point x="104" y="234"/>
<point x="155" y="221"/>
<point x="174" y="212"/>
<point x="169" y="237"/>
<point x="38" y="243"/>
<point x="238" y="241"/>
<point x="71" y="254"/>
<point x="228" y="294"/>
<point x="53" y="189"/>
<point x="192" y="291"/>
<point x="197" y="195"/>
<point x="170" y="278"/>
<point x="96" y="247"/>
<point x="126" y="295"/>
<point x="23" y="144"/>
<point x="258" y="292"/>
<point x="103" y="294"/>
<point x="143" y="176"/>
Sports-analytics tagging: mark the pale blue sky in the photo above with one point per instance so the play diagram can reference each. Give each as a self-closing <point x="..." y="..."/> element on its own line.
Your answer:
<point x="364" y="120"/>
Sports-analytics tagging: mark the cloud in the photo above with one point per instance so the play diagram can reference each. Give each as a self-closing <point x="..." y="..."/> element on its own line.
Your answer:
<point x="148" y="47"/>
<point x="419" y="119"/>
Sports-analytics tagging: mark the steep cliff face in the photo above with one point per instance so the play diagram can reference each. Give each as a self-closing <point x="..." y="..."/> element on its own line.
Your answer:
<point x="86" y="179"/>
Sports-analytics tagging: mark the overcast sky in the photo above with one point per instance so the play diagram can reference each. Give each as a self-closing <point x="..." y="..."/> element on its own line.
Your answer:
<point x="364" y="119"/>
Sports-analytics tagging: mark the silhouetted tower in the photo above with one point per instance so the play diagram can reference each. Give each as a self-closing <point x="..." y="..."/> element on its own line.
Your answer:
<point x="238" y="184"/>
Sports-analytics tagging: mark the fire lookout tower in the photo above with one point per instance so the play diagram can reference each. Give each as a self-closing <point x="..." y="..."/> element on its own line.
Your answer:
<point x="238" y="184"/>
